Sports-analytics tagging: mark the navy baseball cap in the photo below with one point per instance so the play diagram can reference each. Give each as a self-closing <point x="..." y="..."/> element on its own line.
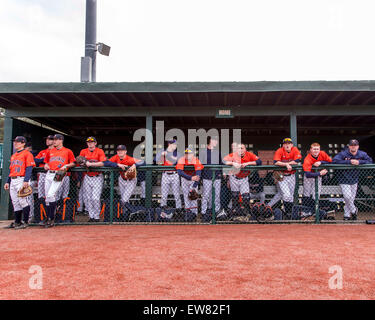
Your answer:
<point x="121" y="147"/>
<point x="91" y="139"/>
<point x="353" y="142"/>
<point x="287" y="140"/>
<point x="50" y="137"/>
<point x="171" y="141"/>
<point x="20" y="139"/>
<point x="58" y="137"/>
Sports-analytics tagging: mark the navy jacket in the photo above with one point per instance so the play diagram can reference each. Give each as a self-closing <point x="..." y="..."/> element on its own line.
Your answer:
<point x="344" y="157"/>
<point x="210" y="157"/>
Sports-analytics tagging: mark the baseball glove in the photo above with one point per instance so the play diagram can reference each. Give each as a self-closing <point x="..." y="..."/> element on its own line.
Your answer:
<point x="131" y="173"/>
<point x="278" y="176"/>
<point x="59" y="175"/>
<point x="25" y="192"/>
<point x="193" y="194"/>
<point x="81" y="161"/>
<point x="240" y="219"/>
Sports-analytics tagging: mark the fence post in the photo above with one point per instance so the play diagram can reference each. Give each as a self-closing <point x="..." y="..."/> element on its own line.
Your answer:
<point x="317" y="213"/>
<point x="111" y="196"/>
<point x="213" y="195"/>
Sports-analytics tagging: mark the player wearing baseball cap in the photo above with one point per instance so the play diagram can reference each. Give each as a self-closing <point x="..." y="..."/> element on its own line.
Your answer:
<point x="348" y="179"/>
<point x="238" y="179"/>
<point x="123" y="161"/>
<point x="315" y="158"/>
<point x="57" y="159"/>
<point x="189" y="178"/>
<point x="21" y="166"/>
<point x="92" y="184"/>
<point x="211" y="155"/>
<point x="39" y="160"/>
<point x="286" y="156"/>
<point x="170" y="180"/>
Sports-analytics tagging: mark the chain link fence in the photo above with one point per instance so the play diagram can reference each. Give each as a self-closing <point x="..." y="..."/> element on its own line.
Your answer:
<point x="261" y="194"/>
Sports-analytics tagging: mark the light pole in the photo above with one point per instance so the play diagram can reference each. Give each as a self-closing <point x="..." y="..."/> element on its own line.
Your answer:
<point x="88" y="62"/>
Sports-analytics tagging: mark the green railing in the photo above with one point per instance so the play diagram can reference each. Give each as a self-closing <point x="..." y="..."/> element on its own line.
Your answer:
<point x="114" y="200"/>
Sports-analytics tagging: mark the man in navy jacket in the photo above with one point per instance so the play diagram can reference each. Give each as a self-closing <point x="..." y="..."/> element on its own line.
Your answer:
<point x="348" y="179"/>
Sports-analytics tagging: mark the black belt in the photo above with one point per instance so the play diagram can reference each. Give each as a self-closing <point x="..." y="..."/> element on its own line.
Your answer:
<point x="287" y="175"/>
<point x="170" y="172"/>
<point x="16" y="177"/>
<point x="238" y="178"/>
<point x="52" y="171"/>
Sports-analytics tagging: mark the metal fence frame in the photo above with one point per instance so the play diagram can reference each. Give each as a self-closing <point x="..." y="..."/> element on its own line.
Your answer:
<point x="151" y="168"/>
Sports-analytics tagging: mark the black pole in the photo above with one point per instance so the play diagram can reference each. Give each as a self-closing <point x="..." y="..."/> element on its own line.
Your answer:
<point x="90" y="37"/>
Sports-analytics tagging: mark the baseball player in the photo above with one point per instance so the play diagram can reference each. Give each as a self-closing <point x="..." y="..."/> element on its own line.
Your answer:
<point x="170" y="180"/>
<point x="315" y="158"/>
<point x="21" y="166"/>
<point x="58" y="158"/>
<point x="92" y="184"/>
<point x="210" y="156"/>
<point x="348" y="179"/>
<point x="123" y="161"/>
<point x="286" y="156"/>
<point x="39" y="160"/>
<point x="189" y="178"/>
<point x="238" y="179"/>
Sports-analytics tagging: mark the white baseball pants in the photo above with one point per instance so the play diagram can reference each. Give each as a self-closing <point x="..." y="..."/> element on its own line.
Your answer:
<point x="239" y="185"/>
<point x="186" y="186"/>
<point x="309" y="187"/>
<point x="52" y="187"/>
<point x="92" y="187"/>
<point x="170" y="182"/>
<point x="18" y="202"/>
<point x="207" y="195"/>
<point x="126" y="188"/>
<point x="349" y="191"/>
<point x="285" y="190"/>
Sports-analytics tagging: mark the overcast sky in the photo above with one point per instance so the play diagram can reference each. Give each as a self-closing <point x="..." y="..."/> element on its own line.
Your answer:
<point x="190" y="40"/>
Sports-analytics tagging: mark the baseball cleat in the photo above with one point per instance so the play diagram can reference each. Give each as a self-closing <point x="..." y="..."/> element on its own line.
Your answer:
<point x="347" y="218"/>
<point x="11" y="226"/>
<point x="50" y="224"/>
<point x="21" y="226"/>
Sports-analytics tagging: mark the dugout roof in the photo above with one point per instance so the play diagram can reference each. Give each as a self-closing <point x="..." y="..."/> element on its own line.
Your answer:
<point x="95" y="105"/>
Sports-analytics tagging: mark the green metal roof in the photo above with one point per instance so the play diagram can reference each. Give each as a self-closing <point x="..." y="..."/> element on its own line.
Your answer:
<point x="258" y="86"/>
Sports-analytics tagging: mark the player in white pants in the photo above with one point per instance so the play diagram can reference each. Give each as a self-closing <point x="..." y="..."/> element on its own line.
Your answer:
<point x="21" y="165"/>
<point x="123" y="161"/>
<point x="238" y="178"/>
<point x="315" y="158"/>
<point x="348" y="179"/>
<point x="92" y="184"/>
<point x="286" y="156"/>
<point x="211" y="156"/>
<point x="58" y="158"/>
<point x="170" y="180"/>
<point x="189" y="180"/>
<point x="41" y="177"/>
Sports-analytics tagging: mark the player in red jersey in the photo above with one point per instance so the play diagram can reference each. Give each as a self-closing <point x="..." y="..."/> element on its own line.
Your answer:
<point x="238" y="179"/>
<point x="315" y="158"/>
<point x="92" y="184"/>
<point x="58" y="158"/>
<point x="286" y="156"/>
<point x="123" y="161"/>
<point x="189" y="179"/>
<point x="21" y="166"/>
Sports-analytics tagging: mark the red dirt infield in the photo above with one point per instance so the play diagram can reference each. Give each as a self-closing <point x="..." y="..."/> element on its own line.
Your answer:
<point x="188" y="262"/>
